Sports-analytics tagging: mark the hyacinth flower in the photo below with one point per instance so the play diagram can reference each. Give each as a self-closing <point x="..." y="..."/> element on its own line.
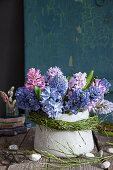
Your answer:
<point x="104" y="107"/>
<point x="78" y="100"/>
<point x="104" y="86"/>
<point x="26" y="99"/>
<point x="77" y="81"/>
<point x="52" y="108"/>
<point x="51" y="73"/>
<point x="94" y="95"/>
<point x="51" y="101"/>
<point x="60" y="83"/>
<point x="34" y="79"/>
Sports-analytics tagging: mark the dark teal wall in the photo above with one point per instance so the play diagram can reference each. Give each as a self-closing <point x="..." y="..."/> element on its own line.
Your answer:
<point x="76" y="35"/>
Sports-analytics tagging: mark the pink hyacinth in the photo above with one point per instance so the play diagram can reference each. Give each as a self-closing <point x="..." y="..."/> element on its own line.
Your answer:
<point x="34" y="79"/>
<point x="53" y="71"/>
<point x="77" y="81"/>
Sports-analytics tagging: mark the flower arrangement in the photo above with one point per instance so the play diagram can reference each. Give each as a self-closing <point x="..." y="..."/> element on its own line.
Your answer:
<point x="55" y="94"/>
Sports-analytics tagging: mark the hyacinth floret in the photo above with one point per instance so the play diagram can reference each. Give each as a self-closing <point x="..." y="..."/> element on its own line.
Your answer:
<point x="60" y="83"/>
<point x="52" y="72"/>
<point x="34" y="79"/>
<point x="27" y="100"/>
<point x="78" y="100"/>
<point x="77" y="81"/>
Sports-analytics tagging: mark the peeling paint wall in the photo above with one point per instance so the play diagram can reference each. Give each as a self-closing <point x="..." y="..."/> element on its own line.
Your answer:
<point x="76" y="35"/>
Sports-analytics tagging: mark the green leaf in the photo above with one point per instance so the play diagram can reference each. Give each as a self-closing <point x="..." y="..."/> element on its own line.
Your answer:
<point x="79" y="110"/>
<point x="109" y="143"/>
<point x="68" y="78"/>
<point x="38" y="92"/>
<point x="89" y="80"/>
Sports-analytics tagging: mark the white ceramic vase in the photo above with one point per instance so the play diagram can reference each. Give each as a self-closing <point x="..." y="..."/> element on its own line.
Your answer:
<point x="51" y="140"/>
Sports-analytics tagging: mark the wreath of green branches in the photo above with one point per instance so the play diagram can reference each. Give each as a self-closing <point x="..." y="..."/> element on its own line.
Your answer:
<point x="87" y="124"/>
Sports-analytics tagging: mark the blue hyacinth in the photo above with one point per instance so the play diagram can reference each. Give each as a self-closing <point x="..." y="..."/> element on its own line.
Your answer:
<point x="51" y="102"/>
<point x="50" y="93"/>
<point x="27" y="100"/>
<point x="52" y="108"/>
<point x="60" y="83"/>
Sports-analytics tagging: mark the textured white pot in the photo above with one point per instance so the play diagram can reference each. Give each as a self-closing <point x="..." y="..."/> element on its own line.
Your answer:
<point x="81" y="142"/>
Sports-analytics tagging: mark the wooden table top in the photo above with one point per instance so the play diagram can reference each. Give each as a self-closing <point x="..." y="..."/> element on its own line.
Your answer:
<point x="26" y="141"/>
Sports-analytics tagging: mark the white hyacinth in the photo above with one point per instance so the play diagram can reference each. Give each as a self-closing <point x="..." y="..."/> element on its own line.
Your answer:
<point x="104" y="107"/>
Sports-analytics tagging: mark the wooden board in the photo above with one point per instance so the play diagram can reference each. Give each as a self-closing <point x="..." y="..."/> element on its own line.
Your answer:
<point x="26" y="142"/>
<point x="16" y="119"/>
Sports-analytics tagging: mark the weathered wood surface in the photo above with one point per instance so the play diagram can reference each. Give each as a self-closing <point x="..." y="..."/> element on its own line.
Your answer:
<point x="26" y="141"/>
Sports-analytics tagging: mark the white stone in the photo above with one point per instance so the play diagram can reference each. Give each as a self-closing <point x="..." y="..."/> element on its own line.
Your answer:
<point x="100" y="153"/>
<point x="13" y="147"/>
<point x="50" y="139"/>
<point x="105" y="165"/>
<point x="34" y="157"/>
<point x="89" y="155"/>
<point x="110" y="150"/>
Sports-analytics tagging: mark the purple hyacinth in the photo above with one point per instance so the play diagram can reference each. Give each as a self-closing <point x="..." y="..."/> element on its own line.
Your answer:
<point x="78" y="100"/>
<point x="106" y="84"/>
<point x="27" y="100"/>
<point x="94" y="93"/>
<point x="77" y="81"/>
<point x="33" y="101"/>
<point x="51" y="73"/>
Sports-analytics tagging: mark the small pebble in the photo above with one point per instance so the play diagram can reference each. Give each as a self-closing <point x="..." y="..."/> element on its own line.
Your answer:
<point x="110" y="150"/>
<point x="105" y="165"/>
<point x="13" y="147"/>
<point x="34" y="157"/>
<point x="89" y="155"/>
<point x="100" y="153"/>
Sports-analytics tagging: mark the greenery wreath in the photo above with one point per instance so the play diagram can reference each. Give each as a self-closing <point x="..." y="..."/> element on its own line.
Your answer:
<point x="87" y="124"/>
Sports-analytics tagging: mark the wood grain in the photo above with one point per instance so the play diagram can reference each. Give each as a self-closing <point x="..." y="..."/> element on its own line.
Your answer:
<point x="26" y="142"/>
